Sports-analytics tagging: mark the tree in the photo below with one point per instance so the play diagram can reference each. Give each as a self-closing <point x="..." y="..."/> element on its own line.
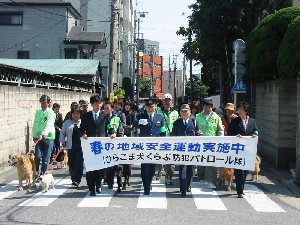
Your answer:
<point x="264" y="41"/>
<point x="127" y="86"/>
<point x="214" y="25"/>
<point x="145" y="84"/>
<point x="200" y="91"/>
<point x="120" y="93"/>
<point x="288" y="61"/>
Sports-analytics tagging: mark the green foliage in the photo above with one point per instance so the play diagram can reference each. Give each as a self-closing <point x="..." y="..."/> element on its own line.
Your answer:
<point x="145" y="84"/>
<point x="264" y="41"/>
<point x="200" y="91"/>
<point x="120" y="93"/>
<point x="288" y="61"/>
<point x="215" y="24"/>
<point x="127" y="86"/>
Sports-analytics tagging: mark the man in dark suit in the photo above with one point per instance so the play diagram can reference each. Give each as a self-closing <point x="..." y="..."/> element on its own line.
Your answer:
<point x="95" y="124"/>
<point x="151" y="124"/>
<point x="186" y="126"/>
<point x="242" y="126"/>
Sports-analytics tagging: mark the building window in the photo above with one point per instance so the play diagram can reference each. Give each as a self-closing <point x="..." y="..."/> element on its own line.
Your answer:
<point x="70" y="53"/>
<point x="23" y="54"/>
<point x="11" y="18"/>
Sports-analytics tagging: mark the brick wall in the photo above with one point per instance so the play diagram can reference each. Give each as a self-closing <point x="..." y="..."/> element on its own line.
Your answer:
<point x="17" y="114"/>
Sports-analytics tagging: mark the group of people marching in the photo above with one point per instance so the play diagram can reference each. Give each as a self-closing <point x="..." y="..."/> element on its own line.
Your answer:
<point x="107" y="119"/>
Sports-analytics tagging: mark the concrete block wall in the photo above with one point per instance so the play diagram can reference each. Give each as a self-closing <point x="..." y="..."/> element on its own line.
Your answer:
<point x="298" y="130"/>
<point x="17" y="113"/>
<point x="276" y="120"/>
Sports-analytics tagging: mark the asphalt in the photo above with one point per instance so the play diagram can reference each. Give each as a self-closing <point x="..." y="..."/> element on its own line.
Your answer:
<point x="281" y="176"/>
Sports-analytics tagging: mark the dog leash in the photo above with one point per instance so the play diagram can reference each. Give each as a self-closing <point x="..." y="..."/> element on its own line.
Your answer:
<point x="31" y="149"/>
<point x="53" y="160"/>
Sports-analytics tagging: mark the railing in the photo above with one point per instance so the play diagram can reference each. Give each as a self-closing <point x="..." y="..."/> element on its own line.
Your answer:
<point x="22" y="77"/>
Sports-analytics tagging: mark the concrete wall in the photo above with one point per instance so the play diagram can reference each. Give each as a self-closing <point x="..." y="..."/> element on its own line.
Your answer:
<point x="276" y="116"/>
<point x="298" y="129"/>
<point x="17" y="114"/>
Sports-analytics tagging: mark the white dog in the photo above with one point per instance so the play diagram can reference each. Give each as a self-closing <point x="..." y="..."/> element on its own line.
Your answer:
<point x="46" y="181"/>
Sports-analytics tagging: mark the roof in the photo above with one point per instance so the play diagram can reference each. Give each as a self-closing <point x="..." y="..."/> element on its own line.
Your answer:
<point x="30" y="3"/>
<point x="78" y="36"/>
<point x="55" y="66"/>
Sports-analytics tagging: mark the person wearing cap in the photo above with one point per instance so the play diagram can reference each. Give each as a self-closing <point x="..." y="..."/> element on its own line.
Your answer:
<point x="186" y="126"/>
<point x="169" y="115"/>
<point x="228" y="117"/>
<point x="211" y="125"/>
<point x="84" y="106"/>
<point x="242" y="125"/>
<point x="43" y="134"/>
<point x="151" y="124"/>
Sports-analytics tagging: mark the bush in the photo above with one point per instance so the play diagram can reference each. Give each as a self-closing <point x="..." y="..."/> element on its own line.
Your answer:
<point x="288" y="62"/>
<point x="264" y="41"/>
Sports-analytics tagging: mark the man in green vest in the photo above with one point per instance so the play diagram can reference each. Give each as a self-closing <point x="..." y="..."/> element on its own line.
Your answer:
<point x="211" y="125"/>
<point x="170" y="116"/>
<point x="43" y="133"/>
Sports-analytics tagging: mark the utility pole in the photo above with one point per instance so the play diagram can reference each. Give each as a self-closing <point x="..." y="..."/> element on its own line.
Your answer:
<point x="133" y="57"/>
<point x="175" y="92"/>
<point x="141" y="14"/>
<point x="191" y="69"/>
<point x="170" y="76"/>
<point x="151" y="68"/>
<point x="111" y="49"/>
<point x="183" y="76"/>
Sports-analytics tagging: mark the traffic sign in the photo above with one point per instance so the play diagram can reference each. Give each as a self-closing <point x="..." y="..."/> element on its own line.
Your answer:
<point x="240" y="57"/>
<point x="239" y="86"/>
<point x="240" y="70"/>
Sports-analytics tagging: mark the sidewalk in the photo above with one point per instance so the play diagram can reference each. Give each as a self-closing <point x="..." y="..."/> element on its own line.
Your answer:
<point x="284" y="177"/>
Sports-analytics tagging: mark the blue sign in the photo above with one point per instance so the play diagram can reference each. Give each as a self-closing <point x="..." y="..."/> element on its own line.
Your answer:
<point x="239" y="86"/>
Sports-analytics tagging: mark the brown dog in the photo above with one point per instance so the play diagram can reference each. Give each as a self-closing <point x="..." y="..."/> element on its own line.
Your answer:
<point x="226" y="175"/>
<point x="256" y="168"/>
<point x="26" y="169"/>
<point x="64" y="162"/>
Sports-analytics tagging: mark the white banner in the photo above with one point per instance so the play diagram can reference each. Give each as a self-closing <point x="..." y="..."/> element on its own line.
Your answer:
<point x="225" y="151"/>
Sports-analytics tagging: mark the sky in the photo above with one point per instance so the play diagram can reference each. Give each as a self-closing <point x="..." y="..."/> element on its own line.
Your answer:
<point x="163" y="19"/>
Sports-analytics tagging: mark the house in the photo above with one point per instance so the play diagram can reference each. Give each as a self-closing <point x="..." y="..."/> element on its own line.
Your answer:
<point x="45" y="29"/>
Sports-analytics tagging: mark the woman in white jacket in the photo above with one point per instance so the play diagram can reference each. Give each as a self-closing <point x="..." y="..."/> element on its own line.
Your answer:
<point x="70" y="139"/>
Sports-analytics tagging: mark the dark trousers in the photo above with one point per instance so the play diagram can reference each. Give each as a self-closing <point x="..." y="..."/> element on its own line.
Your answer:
<point x="147" y="173"/>
<point x="110" y="175"/>
<point x="56" y="145"/>
<point x="75" y="163"/>
<point x="185" y="176"/>
<point x="240" y="178"/>
<point x="93" y="179"/>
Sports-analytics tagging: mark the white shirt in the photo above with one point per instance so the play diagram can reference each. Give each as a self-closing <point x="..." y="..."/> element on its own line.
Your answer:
<point x="185" y="122"/>
<point x="245" y="122"/>
<point x="96" y="113"/>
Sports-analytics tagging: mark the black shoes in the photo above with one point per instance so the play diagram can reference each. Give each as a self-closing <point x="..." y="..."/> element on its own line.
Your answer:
<point x="183" y="193"/>
<point x="110" y="186"/>
<point x="74" y="183"/>
<point x="189" y="189"/>
<point x="92" y="193"/>
<point x="146" y="192"/>
<point x="98" y="190"/>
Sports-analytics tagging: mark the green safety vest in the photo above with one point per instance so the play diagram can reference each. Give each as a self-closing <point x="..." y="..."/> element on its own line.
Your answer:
<point x="114" y="123"/>
<point x="169" y="119"/>
<point x="209" y="126"/>
<point x="40" y="122"/>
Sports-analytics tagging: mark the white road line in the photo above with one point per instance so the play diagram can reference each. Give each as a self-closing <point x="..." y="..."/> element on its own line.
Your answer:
<point x="259" y="201"/>
<point x="46" y="198"/>
<point x="9" y="189"/>
<point x="100" y="200"/>
<point x="206" y="198"/>
<point x="157" y="198"/>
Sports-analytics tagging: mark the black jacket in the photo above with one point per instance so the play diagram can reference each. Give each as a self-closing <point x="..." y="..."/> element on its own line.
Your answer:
<point x="236" y="127"/>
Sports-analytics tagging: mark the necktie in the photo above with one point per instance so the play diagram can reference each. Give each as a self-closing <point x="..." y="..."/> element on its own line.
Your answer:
<point x="96" y="119"/>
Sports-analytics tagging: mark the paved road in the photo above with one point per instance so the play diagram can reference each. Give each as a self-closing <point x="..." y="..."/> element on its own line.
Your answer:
<point x="265" y="202"/>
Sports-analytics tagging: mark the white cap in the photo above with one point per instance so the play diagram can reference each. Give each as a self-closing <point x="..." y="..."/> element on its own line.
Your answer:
<point x="168" y="95"/>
